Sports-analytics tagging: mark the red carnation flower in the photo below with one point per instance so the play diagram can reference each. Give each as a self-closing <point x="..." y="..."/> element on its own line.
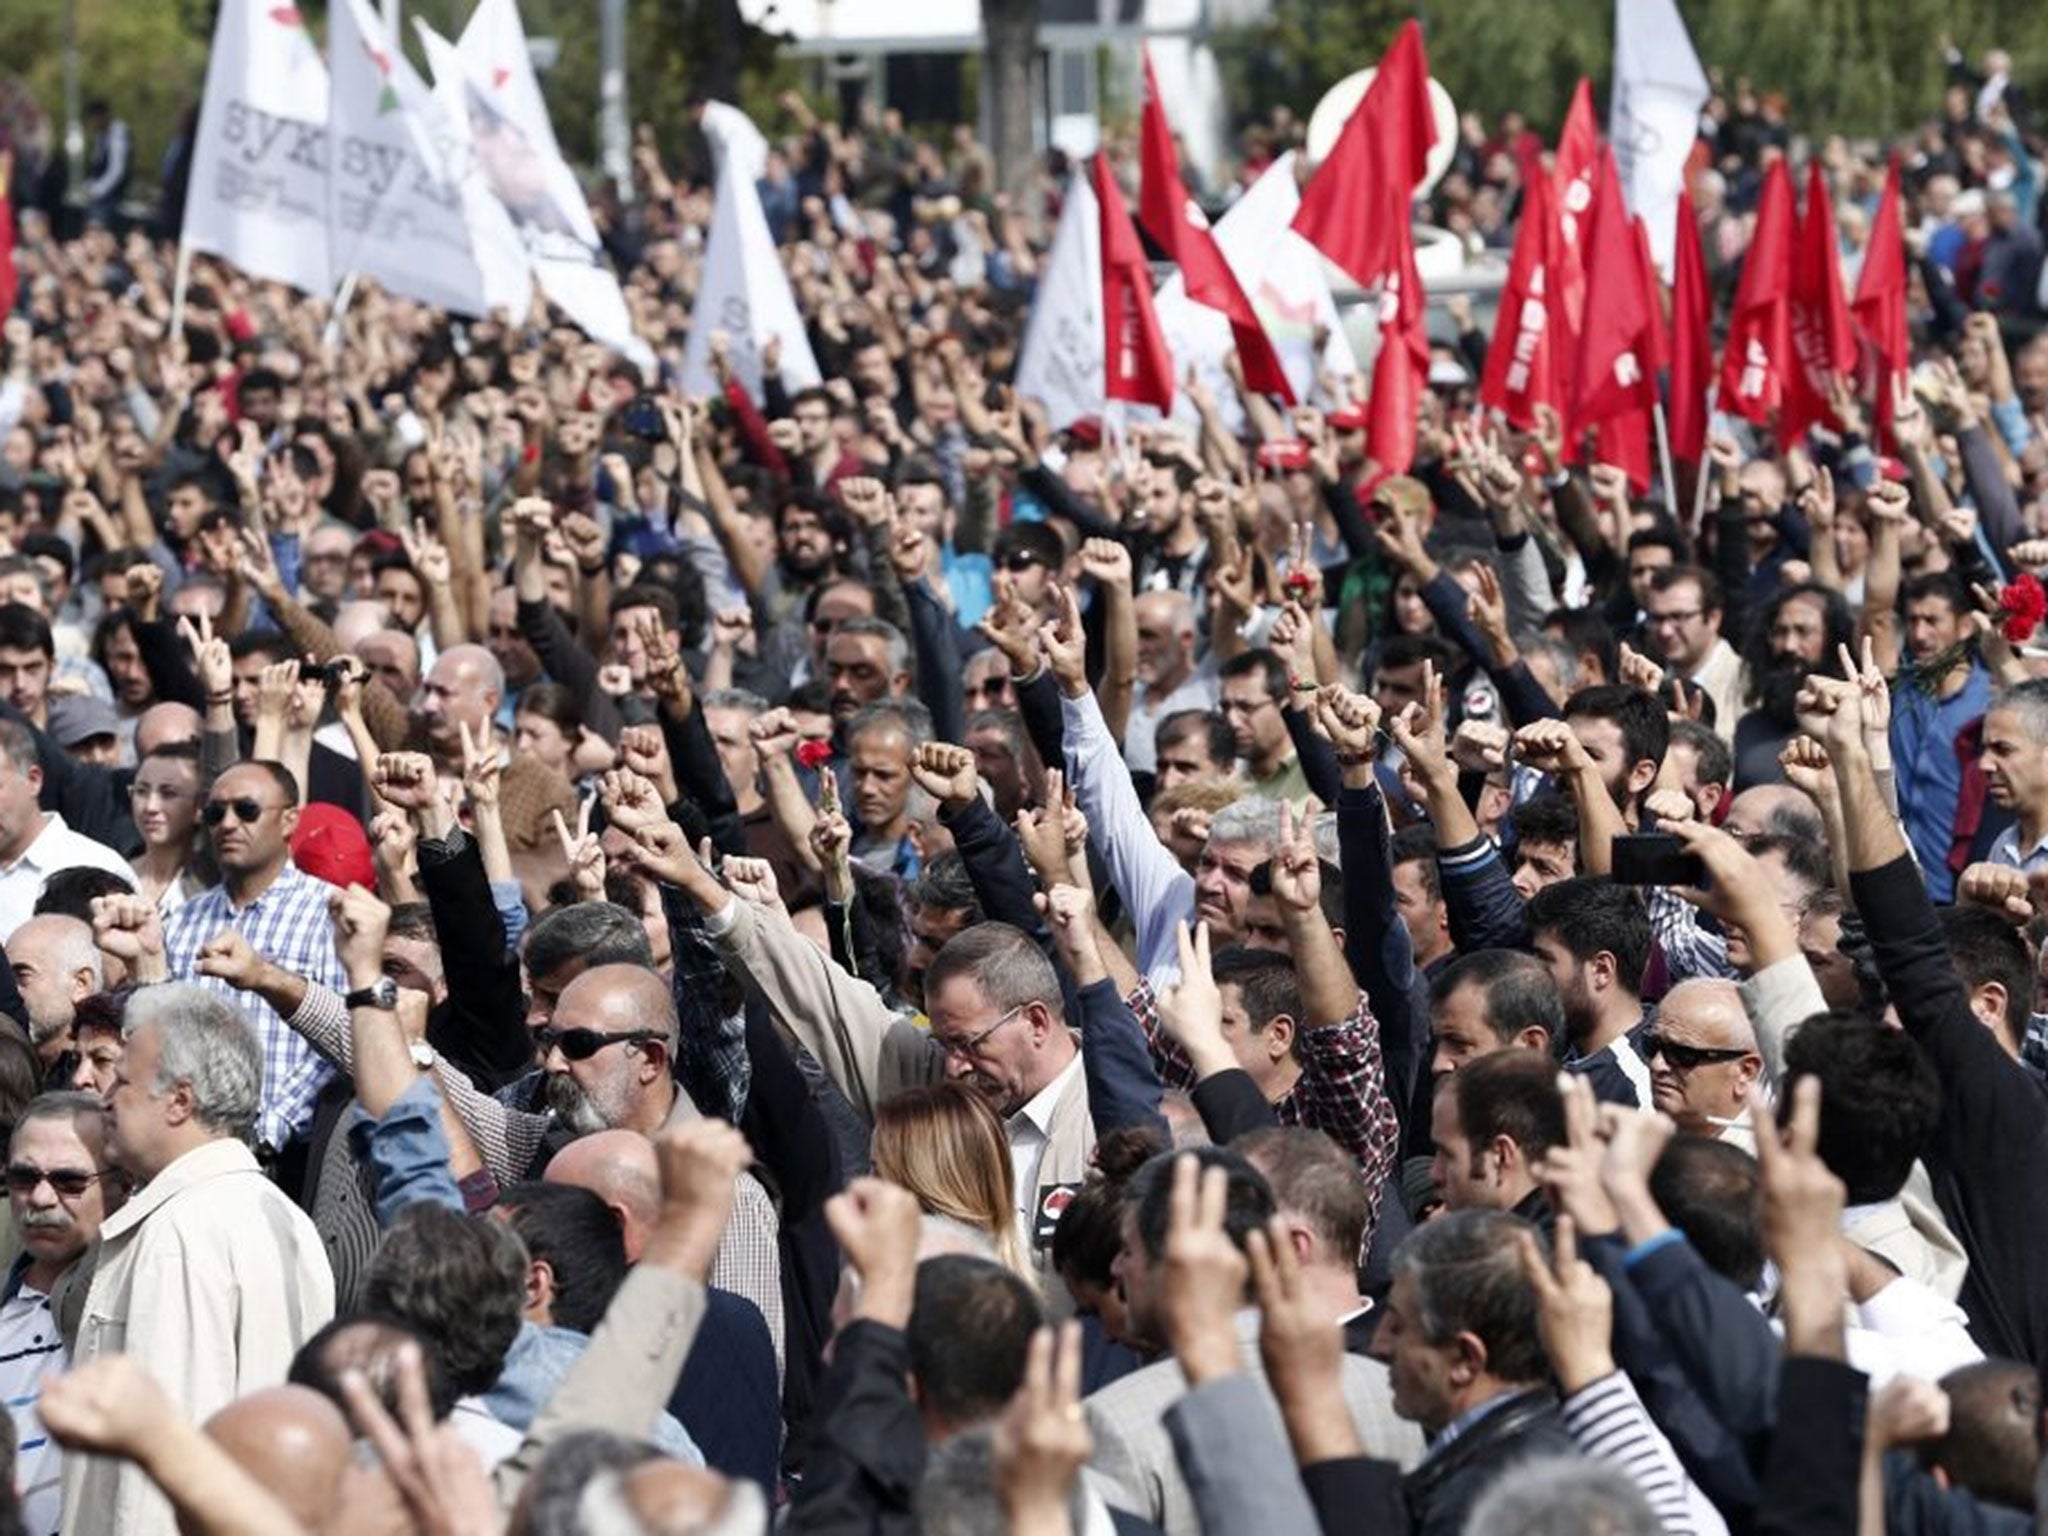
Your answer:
<point x="814" y="754"/>
<point x="1300" y="582"/>
<point x="2024" y="604"/>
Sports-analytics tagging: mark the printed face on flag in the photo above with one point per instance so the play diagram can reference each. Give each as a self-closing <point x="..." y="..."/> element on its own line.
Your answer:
<point x="516" y="171"/>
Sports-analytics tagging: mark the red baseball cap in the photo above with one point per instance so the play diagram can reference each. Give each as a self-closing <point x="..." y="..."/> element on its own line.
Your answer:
<point x="331" y="845"/>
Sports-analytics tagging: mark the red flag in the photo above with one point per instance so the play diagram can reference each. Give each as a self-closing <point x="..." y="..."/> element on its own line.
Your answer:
<point x="1615" y="373"/>
<point x="1571" y="199"/>
<point x="1880" y="308"/>
<point x="1823" y="340"/>
<point x="1522" y="363"/>
<point x="1692" y="342"/>
<point x="1758" y="356"/>
<point x="1401" y="371"/>
<point x="1355" y="209"/>
<point x="1176" y="222"/>
<point x="1138" y="367"/>
<point x="1624" y="442"/>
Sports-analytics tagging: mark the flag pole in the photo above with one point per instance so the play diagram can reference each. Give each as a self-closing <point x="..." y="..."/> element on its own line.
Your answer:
<point x="1664" y="455"/>
<point x="1699" y="484"/>
<point x="343" y="296"/>
<point x="181" y="279"/>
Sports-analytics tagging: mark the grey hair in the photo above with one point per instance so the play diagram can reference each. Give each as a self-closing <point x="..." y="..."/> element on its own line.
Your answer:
<point x="891" y="637"/>
<point x="905" y="715"/>
<point x="64" y="1104"/>
<point x="1248" y="820"/>
<point x="1002" y="960"/>
<point x="1563" y="1496"/>
<point x="203" y="1041"/>
<point x="2028" y="700"/>
<point x="1467" y="1269"/>
<point x="74" y="949"/>
<point x="958" y="1495"/>
<point x="1324" y="830"/>
<point x="743" y="699"/>
<point x="606" y="1509"/>
<point x="19" y="743"/>
<point x="1007" y="721"/>
<point x="1563" y="657"/>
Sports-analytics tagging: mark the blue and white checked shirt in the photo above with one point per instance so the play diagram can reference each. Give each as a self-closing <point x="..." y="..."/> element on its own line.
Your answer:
<point x="290" y="927"/>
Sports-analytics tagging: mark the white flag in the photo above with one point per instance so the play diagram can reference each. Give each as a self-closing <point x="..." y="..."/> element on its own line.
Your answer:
<point x="259" y="158"/>
<point x="1061" y="363"/>
<point x="501" y="255"/>
<point x="745" y="293"/>
<point x="1284" y="277"/>
<point x="394" y="211"/>
<point x="1659" y="90"/>
<point x="734" y="140"/>
<point x="485" y="85"/>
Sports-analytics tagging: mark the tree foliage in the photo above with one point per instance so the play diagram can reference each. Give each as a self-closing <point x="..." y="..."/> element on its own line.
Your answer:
<point x="1855" y="66"/>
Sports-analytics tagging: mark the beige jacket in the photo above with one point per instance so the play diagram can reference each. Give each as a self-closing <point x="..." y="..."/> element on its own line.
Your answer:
<point x="212" y="1279"/>
<point x="873" y="1053"/>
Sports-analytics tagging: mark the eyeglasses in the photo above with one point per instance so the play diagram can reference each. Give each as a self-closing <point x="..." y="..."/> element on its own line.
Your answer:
<point x="1019" y="560"/>
<point x="247" y="811"/>
<point x="1683" y="1058"/>
<point x="582" y="1044"/>
<point x="963" y="1049"/>
<point x="22" y="1179"/>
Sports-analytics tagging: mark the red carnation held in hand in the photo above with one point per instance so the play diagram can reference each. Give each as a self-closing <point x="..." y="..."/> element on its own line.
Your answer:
<point x="2023" y="603"/>
<point x="814" y="754"/>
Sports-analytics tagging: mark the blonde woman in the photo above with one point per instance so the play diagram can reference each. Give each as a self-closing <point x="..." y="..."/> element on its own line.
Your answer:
<point x="944" y="1144"/>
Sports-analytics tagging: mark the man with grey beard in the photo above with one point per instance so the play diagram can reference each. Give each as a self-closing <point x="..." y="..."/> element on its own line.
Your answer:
<point x="59" y="1189"/>
<point x="608" y="1055"/>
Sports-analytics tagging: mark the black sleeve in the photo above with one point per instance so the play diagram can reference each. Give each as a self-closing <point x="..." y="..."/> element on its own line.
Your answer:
<point x="1356" y="1493"/>
<point x="1230" y="1104"/>
<point x="1003" y="882"/>
<point x="1317" y="757"/>
<point x="1352" y="527"/>
<point x="482" y="1025"/>
<point x="1812" y="1472"/>
<point x="569" y="664"/>
<point x="701" y="777"/>
<point x="1038" y="701"/>
<point x="1376" y="941"/>
<point x="1731" y="569"/>
<point x="866" y="1454"/>
<point x="936" y="641"/>
<point x="170" y="669"/>
<point x="1989" y="1152"/>
<point x="1063" y="501"/>
<point x="784" y="1125"/>
<point x="1123" y="1082"/>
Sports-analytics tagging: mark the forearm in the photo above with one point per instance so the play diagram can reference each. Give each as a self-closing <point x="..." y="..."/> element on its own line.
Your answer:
<point x="1600" y="822"/>
<point x="790" y="806"/>
<point x="1329" y="992"/>
<point x="1119" y="658"/>
<point x="1873" y="835"/>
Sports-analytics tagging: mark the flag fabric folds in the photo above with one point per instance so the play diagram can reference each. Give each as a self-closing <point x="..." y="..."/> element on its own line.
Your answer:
<point x="1692" y="341"/>
<point x="1137" y="365"/>
<point x="1879" y="312"/>
<point x="1061" y="362"/>
<point x="1180" y="229"/>
<point x="745" y="293"/>
<point x="1653" y="119"/>
<point x="1758" y="354"/>
<point x="1521" y="363"/>
<point x="258" y="194"/>
<point x="1823" y="340"/>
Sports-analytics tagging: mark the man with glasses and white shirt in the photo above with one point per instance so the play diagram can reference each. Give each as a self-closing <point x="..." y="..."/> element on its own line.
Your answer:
<point x="1682" y="620"/>
<point x="280" y="910"/>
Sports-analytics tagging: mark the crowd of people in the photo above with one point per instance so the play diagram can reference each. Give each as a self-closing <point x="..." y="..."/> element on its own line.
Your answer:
<point x="584" y="959"/>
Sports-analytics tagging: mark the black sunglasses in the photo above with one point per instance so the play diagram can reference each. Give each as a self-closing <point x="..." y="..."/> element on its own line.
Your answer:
<point x="246" y="811"/>
<point x="1018" y="560"/>
<point x="582" y="1044"/>
<point x="69" y="1182"/>
<point x="1684" y="1058"/>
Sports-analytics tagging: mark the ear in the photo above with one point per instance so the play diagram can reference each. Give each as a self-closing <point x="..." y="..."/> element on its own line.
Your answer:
<point x="1507" y="1152"/>
<point x="1641" y="777"/>
<point x="1988" y="1002"/>
<point x="289" y="821"/>
<point x="1533" y="1039"/>
<point x="1468" y="1358"/>
<point x="540" y="1284"/>
<point x="1605" y="968"/>
<point x="1279" y="1036"/>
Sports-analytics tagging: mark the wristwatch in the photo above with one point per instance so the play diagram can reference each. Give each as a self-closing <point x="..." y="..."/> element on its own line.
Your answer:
<point x="381" y="993"/>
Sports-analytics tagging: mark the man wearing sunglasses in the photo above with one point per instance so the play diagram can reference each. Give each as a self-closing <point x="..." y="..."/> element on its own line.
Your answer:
<point x="1703" y="1060"/>
<point x="249" y="816"/>
<point x="59" y="1189"/>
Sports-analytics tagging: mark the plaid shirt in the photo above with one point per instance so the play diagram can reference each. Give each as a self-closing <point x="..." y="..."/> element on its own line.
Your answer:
<point x="290" y="927"/>
<point x="713" y="1064"/>
<point x="1341" y="1092"/>
<point x="1690" y="948"/>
